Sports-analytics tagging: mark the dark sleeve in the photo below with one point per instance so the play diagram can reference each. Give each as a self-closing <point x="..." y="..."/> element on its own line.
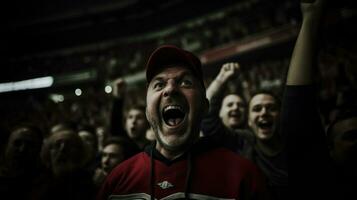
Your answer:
<point x="301" y="121"/>
<point x="211" y="123"/>
<point x="301" y="124"/>
<point x="116" y="118"/>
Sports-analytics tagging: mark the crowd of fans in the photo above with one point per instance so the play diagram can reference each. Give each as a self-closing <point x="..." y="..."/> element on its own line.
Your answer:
<point x="68" y="148"/>
<point x="101" y="130"/>
<point x="337" y="83"/>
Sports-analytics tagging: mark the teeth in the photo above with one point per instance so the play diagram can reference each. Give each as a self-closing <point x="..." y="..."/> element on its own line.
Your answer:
<point x="173" y="107"/>
<point x="265" y="124"/>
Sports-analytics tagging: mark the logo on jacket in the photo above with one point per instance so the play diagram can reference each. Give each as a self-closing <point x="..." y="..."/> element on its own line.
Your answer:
<point x="165" y="184"/>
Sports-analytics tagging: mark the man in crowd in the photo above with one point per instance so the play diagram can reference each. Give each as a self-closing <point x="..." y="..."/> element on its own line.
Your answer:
<point x="261" y="143"/>
<point x="115" y="150"/>
<point x="180" y="164"/>
<point x="134" y="125"/>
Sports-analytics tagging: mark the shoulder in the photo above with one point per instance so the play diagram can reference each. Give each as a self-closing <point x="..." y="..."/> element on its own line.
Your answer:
<point x="224" y="155"/>
<point x="129" y="166"/>
<point x="124" y="174"/>
<point x="135" y="160"/>
<point x="224" y="164"/>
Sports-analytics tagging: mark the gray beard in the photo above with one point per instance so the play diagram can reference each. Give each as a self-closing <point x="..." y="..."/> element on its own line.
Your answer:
<point x="163" y="144"/>
<point x="170" y="148"/>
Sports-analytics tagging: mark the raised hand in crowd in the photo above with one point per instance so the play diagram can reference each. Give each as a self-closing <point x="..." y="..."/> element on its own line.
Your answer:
<point x="227" y="71"/>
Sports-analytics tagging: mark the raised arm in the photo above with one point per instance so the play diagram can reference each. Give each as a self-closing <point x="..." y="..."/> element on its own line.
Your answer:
<point x="300" y="119"/>
<point x="116" y="117"/>
<point x="301" y="70"/>
<point x="217" y="86"/>
<point x="212" y="123"/>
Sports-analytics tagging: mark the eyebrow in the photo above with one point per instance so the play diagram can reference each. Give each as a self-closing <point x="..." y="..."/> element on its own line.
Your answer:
<point x="181" y="75"/>
<point x="157" y="79"/>
<point x="263" y="104"/>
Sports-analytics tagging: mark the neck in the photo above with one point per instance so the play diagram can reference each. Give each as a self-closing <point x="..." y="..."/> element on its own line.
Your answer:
<point x="269" y="147"/>
<point x="169" y="154"/>
<point x="141" y="142"/>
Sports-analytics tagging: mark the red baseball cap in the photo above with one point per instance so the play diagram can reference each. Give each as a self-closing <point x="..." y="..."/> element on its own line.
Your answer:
<point x="167" y="55"/>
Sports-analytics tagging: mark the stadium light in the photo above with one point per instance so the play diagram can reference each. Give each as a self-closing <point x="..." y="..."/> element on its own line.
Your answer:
<point x="78" y="92"/>
<point x="35" y="83"/>
<point x="108" y="89"/>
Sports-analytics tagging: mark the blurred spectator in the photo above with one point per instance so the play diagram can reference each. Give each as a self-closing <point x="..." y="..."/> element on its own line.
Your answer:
<point x="115" y="150"/>
<point x="62" y="126"/>
<point x="90" y="140"/>
<point x="342" y="142"/>
<point x="135" y="122"/>
<point x="20" y="164"/>
<point x="64" y="156"/>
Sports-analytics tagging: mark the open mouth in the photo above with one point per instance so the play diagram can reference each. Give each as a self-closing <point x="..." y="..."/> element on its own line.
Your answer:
<point x="265" y="125"/>
<point x="132" y="129"/>
<point x="234" y="114"/>
<point x="173" y="115"/>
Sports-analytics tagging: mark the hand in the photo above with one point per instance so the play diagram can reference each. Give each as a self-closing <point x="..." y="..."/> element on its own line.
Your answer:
<point x="99" y="176"/>
<point x="228" y="70"/>
<point x="312" y="8"/>
<point x="119" y="87"/>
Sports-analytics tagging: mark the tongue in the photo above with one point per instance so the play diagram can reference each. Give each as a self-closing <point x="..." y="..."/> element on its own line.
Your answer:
<point x="173" y="121"/>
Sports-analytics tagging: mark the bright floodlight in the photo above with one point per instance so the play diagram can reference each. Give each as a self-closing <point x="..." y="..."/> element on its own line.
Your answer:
<point x="108" y="89"/>
<point x="78" y="92"/>
<point x="28" y="84"/>
<point x="57" y="98"/>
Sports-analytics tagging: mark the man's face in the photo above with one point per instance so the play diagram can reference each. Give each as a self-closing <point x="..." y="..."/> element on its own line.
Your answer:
<point x="65" y="152"/>
<point x="344" y="147"/>
<point x="22" y="148"/>
<point x="112" y="155"/>
<point x="263" y="115"/>
<point x="176" y="103"/>
<point x="136" y="124"/>
<point x="233" y="111"/>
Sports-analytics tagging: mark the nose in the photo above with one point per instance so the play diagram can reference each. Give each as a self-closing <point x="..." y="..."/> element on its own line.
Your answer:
<point x="264" y="110"/>
<point x="235" y="106"/>
<point x="170" y="88"/>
